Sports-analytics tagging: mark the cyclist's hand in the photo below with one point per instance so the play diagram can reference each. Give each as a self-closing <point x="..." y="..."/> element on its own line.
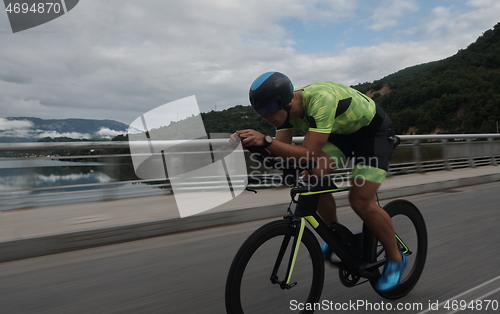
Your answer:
<point x="251" y="137"/>
<point x="234" y="139"/>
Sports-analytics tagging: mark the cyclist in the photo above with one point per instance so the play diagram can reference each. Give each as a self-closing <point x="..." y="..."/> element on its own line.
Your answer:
<point x="340" y="123"/>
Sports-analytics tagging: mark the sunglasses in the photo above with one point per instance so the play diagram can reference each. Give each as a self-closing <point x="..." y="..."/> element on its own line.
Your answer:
<point x="269" y="109"/>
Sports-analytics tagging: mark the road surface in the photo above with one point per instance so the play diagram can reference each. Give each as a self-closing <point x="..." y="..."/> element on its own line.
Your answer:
<point x="186" y="272"/>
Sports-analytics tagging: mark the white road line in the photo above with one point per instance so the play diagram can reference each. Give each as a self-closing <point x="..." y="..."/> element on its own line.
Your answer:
<point x="64" y="6"/>
<point x="481" y="298"/>
<point x="466" y="292"/>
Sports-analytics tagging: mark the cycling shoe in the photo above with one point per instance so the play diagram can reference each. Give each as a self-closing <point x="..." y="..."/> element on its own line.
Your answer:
<point x="391" y="274"/>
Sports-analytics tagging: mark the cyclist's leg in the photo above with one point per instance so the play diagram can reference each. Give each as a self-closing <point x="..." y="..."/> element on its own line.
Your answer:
<point x="327" y="209"/>
<point x="373" y="152"/>
<point x="328" y="160"/>
<point x="362" y="198"/>
<point x="380" y="225"/>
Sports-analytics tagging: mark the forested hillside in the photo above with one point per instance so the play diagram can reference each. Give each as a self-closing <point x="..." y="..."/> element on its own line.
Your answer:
<point x="460" y="94"/>
<point x="233" y="119"/>
<point x="226" y="121"/>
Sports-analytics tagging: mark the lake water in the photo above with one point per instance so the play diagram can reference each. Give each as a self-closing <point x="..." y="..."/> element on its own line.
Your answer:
<point x="33" y="182"/>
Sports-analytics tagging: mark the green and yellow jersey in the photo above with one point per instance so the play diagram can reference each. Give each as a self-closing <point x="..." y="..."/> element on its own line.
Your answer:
<point x="333" y="108"/>
<point x="340" y="110"/>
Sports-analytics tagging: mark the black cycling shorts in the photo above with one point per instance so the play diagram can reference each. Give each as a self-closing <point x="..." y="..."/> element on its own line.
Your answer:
<point x="371" y="148"/>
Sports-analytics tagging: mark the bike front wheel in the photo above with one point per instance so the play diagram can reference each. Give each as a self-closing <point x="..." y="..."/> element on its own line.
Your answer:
<point x="256" y="281"/>
<point x="411" y="237"/>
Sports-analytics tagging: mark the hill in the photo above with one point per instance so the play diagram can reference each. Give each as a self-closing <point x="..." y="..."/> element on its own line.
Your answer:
<point x="226" y="121"/>
<point x="460" y="94"/>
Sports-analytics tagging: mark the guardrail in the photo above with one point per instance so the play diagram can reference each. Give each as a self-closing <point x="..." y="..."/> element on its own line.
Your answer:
<point x="417" y="153"/>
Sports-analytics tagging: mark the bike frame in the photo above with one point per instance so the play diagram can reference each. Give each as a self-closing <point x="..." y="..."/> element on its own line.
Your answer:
<point x="354" y="257"/>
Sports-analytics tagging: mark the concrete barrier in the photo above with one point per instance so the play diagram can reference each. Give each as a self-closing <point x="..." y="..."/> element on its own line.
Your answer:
<point x="68" y="241"/>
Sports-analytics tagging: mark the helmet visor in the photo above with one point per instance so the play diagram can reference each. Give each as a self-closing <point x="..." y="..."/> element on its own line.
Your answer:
<point x="268" y="110"/>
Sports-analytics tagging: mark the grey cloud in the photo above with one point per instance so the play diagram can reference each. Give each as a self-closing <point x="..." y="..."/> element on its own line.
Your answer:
<point x="116" y="60"/>
<point x="14" y="77"/>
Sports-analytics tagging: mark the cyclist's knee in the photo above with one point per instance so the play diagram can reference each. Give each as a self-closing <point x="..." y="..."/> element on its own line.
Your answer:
<point x="362" y="198"/>
<point x="324" y="165"/>
<point x="360" y="204"/>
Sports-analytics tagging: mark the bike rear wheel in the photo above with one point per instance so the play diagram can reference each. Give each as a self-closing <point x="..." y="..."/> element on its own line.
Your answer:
<point x="249" y="286"/>
<point x="411" y="234"/>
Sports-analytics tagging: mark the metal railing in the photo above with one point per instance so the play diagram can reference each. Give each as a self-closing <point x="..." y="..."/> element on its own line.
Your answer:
<point x="417" y="153"/>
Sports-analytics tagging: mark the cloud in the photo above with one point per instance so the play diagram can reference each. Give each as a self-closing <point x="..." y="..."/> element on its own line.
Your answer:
<point x="108" y="61"/>
<point x="15" y="128"/>
<point x="108" y="133"/>
<point x="54" y="134"/>
<point x="13" y="102"/>
<point x="388" y="13"/>
<point x="6" y="124"/>
<point x="14" y="77"/>
<point x="25" y="128"/>
<point x="457" y="24"/>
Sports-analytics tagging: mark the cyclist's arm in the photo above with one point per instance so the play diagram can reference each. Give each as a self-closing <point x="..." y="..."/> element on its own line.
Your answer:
<point x="311" y="146"/>
<point x="284" y="136"/>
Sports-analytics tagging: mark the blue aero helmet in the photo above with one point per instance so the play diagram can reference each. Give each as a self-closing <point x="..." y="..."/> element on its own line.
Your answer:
<point x="269" y="93"/>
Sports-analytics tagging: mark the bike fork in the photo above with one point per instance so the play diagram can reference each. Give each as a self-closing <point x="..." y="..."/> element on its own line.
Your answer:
<point x="299" y="232"/>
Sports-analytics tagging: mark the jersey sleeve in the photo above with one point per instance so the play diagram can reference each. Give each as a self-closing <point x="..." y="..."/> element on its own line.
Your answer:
<point x="286" y="126"/>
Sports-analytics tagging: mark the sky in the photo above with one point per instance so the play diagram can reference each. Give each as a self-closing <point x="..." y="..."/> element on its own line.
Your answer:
<point x="118" y="59"/>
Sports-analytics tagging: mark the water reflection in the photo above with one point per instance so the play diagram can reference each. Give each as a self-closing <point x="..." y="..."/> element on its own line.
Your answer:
<point x="26" y="183"/>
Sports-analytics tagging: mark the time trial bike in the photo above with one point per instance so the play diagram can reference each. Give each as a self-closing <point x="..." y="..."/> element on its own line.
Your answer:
<point x="281" y="265"/>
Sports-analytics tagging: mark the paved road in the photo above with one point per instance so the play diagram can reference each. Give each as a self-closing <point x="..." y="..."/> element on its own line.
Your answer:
<point x="186" y="272"/>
